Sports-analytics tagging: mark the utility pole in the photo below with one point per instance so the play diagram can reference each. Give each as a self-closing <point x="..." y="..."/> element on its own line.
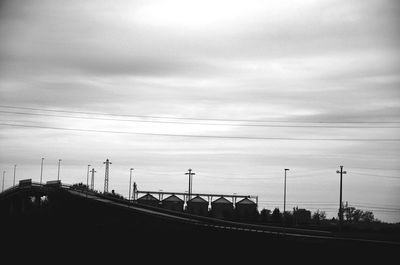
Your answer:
<point x="2" y="188"/>
<point x="190" y="173"/>
<point x="341" y="172"/>
<point x="87" y="176"/>
<point x="107" y="172"/>
<point x="92" y="183"/>
<point x="58" y="172"/>
<point x="15" y="170"/>
<point x="130" y="183"/>
<point x="41" y="171"/>
<point x="284" y="193"/>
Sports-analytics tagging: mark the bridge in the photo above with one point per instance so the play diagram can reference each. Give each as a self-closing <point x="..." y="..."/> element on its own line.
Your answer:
<point x="53" y="209"/>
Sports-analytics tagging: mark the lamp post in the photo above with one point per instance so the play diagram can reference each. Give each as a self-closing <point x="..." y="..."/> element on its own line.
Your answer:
<point x="284" y="193"/>
<point x="15" y="170"/>
<point x="41" y="171"/>
<point x="2" y="188"/>
<point x="58" y="171"/>
<point x="87" y="176"/>
<point x="130" y="183"/>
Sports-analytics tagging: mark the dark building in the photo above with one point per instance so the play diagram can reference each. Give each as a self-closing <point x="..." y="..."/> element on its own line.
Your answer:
<point x="198" y="206"/>
<point x="149" y="199"/>
<point x="173" y="203"/>
<point x="301" y="216"/>
<point x="222" y="208"/>
<point x="246" y="209"/>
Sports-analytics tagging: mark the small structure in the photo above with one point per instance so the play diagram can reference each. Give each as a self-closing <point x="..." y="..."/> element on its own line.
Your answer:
<point x="173" y="203"/>
<point x="246" y="209"/>
<point x="222" y="208"/>
<point x="53" y="183"/>
<point x="301" y="216"/>
<point x="148" y="199"/>
<point x="25" y="183"/>
<point x="198" y="206"/>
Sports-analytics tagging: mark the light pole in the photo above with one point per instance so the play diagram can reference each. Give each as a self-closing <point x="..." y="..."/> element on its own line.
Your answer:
<point x="284" y="193"/>
<point x="41" y="171"/>
<point x="87" y="176"/>
<point x="130" y="183"/>
<point x="58" y="172"/>
<point x="2" y="188"/>
<point x="15" y="169"/>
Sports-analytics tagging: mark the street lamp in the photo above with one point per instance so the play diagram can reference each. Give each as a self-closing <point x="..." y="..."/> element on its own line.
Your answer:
<point x="87" y="176"/>
<point x="58" y="172"/>
<point x="41" y="171"/>
<point x="15" y="169"/>
<point x="130" y="183"/>
<point x="284" y="193"/>
<point x="2" y="188"/>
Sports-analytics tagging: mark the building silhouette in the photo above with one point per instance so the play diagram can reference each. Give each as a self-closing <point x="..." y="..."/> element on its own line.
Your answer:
<point x="173" y="203"/>
<point x="149" y="199"/>
<point x="222" y="208"/>
<point x="198" y="206"/>
<point x="246" y="209"/>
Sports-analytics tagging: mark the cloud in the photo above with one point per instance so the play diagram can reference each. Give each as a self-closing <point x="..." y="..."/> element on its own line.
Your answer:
<point x="284" y="60"/>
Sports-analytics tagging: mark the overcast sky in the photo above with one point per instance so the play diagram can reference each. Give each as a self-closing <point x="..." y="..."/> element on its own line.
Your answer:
<point x="289" y="66"/>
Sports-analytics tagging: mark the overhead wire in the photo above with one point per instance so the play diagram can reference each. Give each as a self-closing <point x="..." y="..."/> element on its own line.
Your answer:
<point x="205" y="136"/>
<point x="199" y="119"/>
<point x="202" y="123"/>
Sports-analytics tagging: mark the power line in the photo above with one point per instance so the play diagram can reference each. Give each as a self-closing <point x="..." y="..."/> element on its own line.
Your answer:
<point x="206" y="136"/>
<point x="202" y="123"/>
<point x="374" y="175"/>
<point x="199" y="119"/>
<point x="331" y="206"/>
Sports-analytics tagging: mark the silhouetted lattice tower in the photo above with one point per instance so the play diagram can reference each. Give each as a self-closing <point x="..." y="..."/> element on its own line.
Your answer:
<point x="92" y="182"/>
<point x="106" y="174"/>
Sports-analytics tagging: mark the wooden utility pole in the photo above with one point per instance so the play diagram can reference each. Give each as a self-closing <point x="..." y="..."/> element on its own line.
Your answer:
<point x="284" y="193"/>
<point x="190" y="173"/>
<point x="341" y="172"/>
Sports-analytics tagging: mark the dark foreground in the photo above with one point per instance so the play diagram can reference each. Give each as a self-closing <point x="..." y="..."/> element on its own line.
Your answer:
<point x="79" y="229"/>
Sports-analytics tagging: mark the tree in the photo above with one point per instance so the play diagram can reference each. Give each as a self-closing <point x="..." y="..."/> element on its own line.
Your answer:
<point x="276" y="216"/>
<point x="318" y="216"/>
<point x="355" y="215"/>
<point x="265" y="215"/>
<point x="349" y="213"/>
<point x="367" y="217"/>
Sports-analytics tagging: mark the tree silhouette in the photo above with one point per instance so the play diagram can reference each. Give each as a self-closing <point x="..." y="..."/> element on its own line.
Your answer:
<point x="318" y="216"/>
<point x="265" y="215"/>
<point x="276" y="216"/>
<point x="354" y="215"/>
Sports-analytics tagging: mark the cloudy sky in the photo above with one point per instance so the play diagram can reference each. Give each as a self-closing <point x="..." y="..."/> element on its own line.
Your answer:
<point x="236" y="90"/>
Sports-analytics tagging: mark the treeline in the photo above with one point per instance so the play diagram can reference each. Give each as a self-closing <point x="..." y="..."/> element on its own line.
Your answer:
<point x="298" y="216"/>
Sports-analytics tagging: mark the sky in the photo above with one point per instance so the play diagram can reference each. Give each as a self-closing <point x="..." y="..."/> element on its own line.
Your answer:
<point x="236" y="90"/>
